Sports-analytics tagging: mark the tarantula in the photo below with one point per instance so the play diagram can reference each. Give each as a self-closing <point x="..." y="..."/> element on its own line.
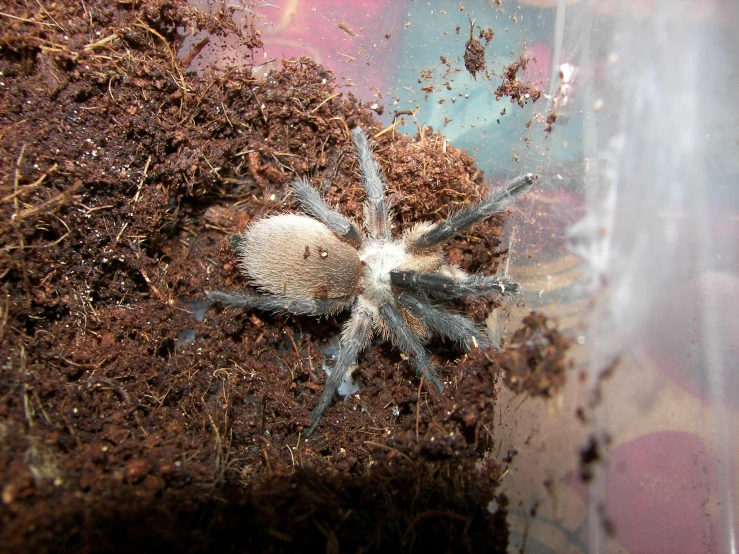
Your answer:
<point x="324" y="264"/>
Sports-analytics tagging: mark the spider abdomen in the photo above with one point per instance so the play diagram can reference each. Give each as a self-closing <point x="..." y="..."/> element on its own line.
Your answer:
<point x="297" y="256"/>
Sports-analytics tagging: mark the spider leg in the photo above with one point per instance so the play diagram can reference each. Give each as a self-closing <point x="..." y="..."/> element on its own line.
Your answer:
<point x="354" y="338"/>
<point x="375" y="207"/>
<point x="314" y="204"/>
<point x="496" y="201"/>
<point x="278" y="304"/>
<point x="439" y="285"/>
<point x="458" y="328"/>
<point x="409" y="343"/>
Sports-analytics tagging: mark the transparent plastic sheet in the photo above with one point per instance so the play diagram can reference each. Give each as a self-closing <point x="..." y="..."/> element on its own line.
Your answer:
<point x="641" y="170"/>
<point x="660" y="239"/>
<point x="630" y="240"/>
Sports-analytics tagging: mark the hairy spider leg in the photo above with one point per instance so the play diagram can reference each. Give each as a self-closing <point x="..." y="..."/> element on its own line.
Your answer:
<point x="279" y="304"/>
<point x="314" y="204"/>
<point x="408" y="343"/>
<point x="439" y="285"/>
<point x="355" y="337"/>
<point x="456" y="327"/>
<point x="494" y="202"/>
<point x="376" y="213"/>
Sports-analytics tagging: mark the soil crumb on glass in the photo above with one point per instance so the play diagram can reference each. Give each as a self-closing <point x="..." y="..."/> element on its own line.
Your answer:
<point x="518" y="91"/>
<point x="533" y="358"/>
<point x="133" y="418"/>
<point x="474" y="51"/>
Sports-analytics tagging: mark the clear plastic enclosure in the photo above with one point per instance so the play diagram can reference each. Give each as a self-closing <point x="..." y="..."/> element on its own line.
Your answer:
<point x="631" y="239"/>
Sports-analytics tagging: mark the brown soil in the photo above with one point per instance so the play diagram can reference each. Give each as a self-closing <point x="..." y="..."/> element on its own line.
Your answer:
<point x="129" y="420"/>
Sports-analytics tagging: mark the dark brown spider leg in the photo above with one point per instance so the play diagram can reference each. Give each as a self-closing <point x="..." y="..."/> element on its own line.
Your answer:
<point x="439" y="285"/>
<point x="376" y="216"/>
<point x="409" y="343"/>
<point x="458" y="328"/>
<point x="314" y="204"/>
<point x="356" y="336"/>
<point x="278" y="304"/>
<point x="496" y="201"/>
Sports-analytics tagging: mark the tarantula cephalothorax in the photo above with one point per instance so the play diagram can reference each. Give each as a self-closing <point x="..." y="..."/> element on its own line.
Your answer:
<point x="323" y="264"/>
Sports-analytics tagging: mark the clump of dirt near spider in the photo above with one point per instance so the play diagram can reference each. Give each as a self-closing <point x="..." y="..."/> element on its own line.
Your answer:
<point x="533" y="359"/>
<point x="123" y="417"/>
<point x="518" y="91"/>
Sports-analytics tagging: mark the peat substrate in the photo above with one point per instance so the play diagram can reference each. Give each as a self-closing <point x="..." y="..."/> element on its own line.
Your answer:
<point x="133" y="417"/>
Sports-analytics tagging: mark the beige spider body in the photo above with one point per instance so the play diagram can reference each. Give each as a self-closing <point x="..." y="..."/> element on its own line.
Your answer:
<point x="321" y="263"/>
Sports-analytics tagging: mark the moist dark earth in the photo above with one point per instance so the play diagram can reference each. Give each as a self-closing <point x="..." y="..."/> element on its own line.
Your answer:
<point x="132" y="418"/>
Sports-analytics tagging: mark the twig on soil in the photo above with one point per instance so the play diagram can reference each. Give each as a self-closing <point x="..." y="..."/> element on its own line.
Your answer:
<point x="19" y="215"/>
<point x="225" y="114"/>
<point x="287" y="167"/>
<point x="58" y="201"/>
<point x="89" y="210"/>
<point x="418" y="405"/>
<point x="292" y="458"/>
<point x="265" y="454"/>
<point x="314" y="110"/>
<point x="110" y="87"/>
<point x="172" y="56"/>
<point x="290" y="335"/>
<point x="390" y="127"/>
<point x="153" y="287"/>
<point x="101" y="42"/>
<point x="27" y="188"/>
<point x="346" y="128"/>
<point x="40" y="5"/>
<point x="4" y="311"/>
<point x="390" y="448"/>
<point x="112" y="383"/>
<point x="118" y="236"/>
<point x="24" y="20"/>
<point x="218" y="79"/>
<point x="133" y="406"/>
<point x="260" y="106"/>
<point x="141" y="181"/>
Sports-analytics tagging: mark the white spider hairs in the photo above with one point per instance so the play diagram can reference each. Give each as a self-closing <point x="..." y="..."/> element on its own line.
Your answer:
<point x="320" y="263"/>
